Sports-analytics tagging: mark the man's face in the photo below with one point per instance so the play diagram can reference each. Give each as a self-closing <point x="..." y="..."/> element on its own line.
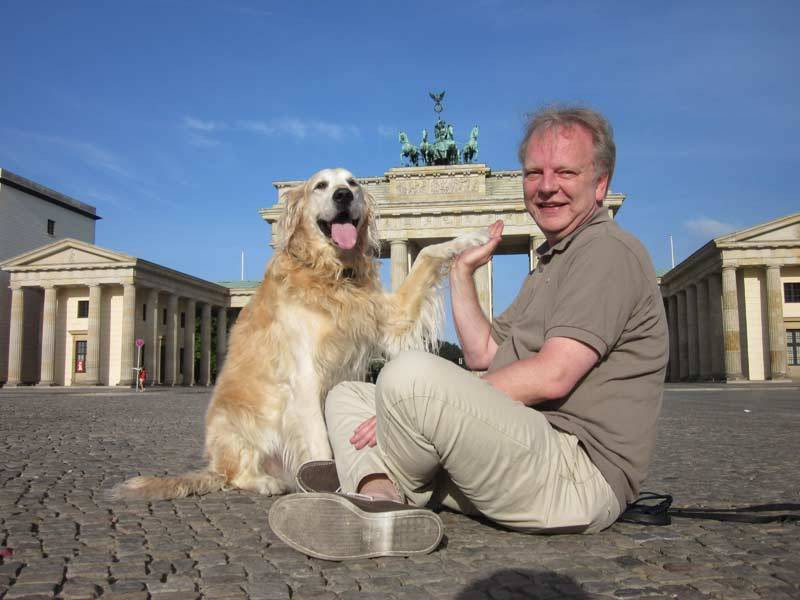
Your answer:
<point x="559" y="183"/>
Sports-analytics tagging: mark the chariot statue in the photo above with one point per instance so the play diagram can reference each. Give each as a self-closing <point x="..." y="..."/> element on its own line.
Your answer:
<point x="444" y="149"/>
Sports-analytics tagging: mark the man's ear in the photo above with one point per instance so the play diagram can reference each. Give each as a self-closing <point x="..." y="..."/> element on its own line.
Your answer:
<point x="290" y="217"/>
<point x="601" y="188"/>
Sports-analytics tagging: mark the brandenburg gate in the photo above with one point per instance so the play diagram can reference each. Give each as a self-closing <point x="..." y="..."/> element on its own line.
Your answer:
<point x="422" y="205"/>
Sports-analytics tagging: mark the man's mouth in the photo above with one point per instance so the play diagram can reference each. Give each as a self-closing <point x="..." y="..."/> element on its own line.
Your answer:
<point x="342" y="230"/>
<point x="549" y="206"/>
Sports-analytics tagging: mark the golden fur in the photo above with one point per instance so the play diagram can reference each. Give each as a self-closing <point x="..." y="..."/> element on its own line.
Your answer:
<point x="317" y="319"/>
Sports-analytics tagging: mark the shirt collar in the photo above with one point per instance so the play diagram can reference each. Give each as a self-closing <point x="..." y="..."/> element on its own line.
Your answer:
<point x="600" y="216"/>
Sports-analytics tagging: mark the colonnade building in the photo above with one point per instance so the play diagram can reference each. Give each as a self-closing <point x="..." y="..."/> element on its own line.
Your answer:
<point x="73" y="313"/>
<point x="734" y="306"/>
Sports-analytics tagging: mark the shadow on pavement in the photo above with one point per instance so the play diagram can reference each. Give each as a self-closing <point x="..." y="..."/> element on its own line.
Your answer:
<point x="523" y="583"/>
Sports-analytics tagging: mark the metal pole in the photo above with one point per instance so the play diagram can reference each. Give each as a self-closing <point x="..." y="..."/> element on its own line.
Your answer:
<point x="672" y="251"/>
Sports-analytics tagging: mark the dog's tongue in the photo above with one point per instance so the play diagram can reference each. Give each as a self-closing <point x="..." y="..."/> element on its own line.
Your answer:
<point x="344" y="234"/>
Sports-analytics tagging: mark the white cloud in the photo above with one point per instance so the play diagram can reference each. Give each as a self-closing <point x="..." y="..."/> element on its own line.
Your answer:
<point x="299" y="128"/>
<point x="709" y="228"/>
<point x="385" y="131"/>
<point x="284" y="126"/>
<point x="200" y="125"/>
<point x="256" y="127"/>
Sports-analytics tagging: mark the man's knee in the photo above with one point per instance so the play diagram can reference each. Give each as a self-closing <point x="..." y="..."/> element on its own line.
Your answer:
<point x="410" y="375"/>
<point x="404" y="370"/>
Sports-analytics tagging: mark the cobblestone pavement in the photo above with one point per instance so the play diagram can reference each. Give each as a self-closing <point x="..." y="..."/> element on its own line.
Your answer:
<point x="61" y="449"/>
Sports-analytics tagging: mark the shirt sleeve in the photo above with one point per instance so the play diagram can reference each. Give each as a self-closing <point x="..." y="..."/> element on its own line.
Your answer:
<point x="596" y="295"/>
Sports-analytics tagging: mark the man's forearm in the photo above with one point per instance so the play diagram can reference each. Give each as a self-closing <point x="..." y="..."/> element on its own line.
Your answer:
<point x="472" y="326"/>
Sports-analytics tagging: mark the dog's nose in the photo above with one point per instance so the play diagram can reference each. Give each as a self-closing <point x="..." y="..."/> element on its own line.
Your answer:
<point x="342" y="197"/>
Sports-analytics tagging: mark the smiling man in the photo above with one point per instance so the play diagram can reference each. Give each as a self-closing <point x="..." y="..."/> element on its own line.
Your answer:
<point x="558" y="434"/>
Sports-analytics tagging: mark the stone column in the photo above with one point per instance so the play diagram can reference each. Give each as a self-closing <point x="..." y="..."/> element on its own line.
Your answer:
<point x="93" y="337"/>
<point x="48" y="335"/>
<point x="399" y="262"/>
<point x="777" y="330"/>
<point x="188" y="343"/>
<point x="483" y="285"/>
<point x="715" y="310"/>
<point x="683" y="338"/>
<point x="15" y="336"/>
<point x="672" y="320"/>
<point x="691" y="327"/>
<point x="222" y="336"/>
<point x="703" y="326"/>
<point x="205" y="345"/>
<point x="535" y="242"/>
<point x="171" y="335"/>
<point x="151" y="362"/>
<point x="730" y="324"/>
<point x="128" y="337"/>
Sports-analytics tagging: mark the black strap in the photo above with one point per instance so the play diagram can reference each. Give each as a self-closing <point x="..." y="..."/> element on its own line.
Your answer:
<point x="656" y="509"/>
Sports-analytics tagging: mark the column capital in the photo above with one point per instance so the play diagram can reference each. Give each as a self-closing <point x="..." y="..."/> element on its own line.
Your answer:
<point x="727" y="265"/>
<point x="773" y="266"/>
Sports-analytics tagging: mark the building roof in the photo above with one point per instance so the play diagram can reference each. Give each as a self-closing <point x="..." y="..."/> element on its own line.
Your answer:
<point x="46" y="194"/>
<point x="244" y="284"/>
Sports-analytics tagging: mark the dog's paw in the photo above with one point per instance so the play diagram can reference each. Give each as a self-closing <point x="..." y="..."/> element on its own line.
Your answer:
<point x="447" y="250"/>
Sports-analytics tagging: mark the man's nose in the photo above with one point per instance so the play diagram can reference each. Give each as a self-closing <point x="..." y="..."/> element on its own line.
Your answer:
<point x="342" y="197"/>
<point x="549" y="182"/>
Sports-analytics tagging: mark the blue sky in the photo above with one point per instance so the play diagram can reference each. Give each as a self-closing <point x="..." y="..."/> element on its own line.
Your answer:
<point x="173" y="117"/>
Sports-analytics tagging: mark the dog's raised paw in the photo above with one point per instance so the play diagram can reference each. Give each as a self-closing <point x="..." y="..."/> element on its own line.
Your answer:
<point x="473" y="238"/>
<point x="447" y="250"/>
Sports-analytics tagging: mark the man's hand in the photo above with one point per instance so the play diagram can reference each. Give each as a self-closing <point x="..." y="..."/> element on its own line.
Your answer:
<point x="472" y="258"/>
<point x="364" y="435"/>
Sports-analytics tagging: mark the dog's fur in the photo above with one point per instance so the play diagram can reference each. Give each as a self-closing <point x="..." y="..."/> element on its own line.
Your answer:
<point x="317" y="319"/>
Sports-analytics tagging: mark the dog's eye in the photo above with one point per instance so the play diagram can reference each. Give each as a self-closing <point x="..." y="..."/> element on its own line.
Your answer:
<point x="321" y="185"/>
<point x="352" y="182"/>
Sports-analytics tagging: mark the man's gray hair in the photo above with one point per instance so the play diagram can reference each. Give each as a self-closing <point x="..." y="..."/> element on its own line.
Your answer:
<point x="605" y="151"/>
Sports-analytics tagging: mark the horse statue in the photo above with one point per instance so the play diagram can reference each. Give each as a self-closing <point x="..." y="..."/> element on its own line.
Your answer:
<point x="426" y="149"/>
<point x="410" y="151"/>
<point x="470" y="149"/>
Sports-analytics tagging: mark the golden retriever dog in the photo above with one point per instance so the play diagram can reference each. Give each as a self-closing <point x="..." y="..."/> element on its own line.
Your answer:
<point x="317" y="319"/>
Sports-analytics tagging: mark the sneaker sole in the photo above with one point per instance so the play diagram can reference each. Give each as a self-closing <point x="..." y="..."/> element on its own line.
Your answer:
<point x="333" y="528"/>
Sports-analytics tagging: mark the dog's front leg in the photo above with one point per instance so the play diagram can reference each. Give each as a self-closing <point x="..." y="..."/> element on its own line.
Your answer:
<point x="413" y="315"/>
<point x="304" y="425"/>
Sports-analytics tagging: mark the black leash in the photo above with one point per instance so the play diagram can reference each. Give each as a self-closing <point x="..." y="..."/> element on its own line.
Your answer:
<point x="657" y="509"/>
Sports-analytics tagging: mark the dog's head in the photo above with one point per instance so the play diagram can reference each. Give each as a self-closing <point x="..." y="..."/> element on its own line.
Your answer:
<point x="329" y="214"/>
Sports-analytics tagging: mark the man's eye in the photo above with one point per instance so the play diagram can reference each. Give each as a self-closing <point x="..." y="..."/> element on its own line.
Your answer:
<point x="321" y="185"/>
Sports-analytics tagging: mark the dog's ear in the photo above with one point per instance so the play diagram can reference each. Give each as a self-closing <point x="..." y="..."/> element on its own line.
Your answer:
<point x="372" y="238"/>
<point x="290" y="217"/>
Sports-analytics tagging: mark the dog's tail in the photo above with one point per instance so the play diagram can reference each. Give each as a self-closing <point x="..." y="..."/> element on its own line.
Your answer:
<point x="164" y="488"/>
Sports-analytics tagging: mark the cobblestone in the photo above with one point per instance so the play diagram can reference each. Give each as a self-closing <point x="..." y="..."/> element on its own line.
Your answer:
<point x="62" y="450"/>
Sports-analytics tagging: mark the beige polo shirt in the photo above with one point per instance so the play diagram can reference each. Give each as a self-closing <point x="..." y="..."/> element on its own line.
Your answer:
<point x="598" y="286"/>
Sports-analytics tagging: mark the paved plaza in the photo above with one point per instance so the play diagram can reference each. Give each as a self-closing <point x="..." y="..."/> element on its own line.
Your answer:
<point x="62" y="449"/>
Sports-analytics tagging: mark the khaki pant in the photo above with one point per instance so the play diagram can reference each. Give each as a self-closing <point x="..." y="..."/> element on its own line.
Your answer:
<point x="446" y="437"/>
